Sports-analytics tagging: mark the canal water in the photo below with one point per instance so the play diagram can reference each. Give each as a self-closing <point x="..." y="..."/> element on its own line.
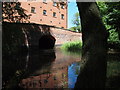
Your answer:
<point x="41" y="69"/>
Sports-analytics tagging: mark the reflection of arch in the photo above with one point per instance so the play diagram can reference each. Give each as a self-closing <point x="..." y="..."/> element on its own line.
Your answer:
<point x="47" y="42"/>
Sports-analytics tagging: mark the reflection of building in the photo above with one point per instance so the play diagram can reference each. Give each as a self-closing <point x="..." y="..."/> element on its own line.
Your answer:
<point x="52" y="74"/>
<point x="57" y="79"/>
<point x="50" y="13"/>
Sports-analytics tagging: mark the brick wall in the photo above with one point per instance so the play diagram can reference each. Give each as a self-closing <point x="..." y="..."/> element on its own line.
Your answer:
<point x="62" y="36"/>
<point x="48" y="19"/>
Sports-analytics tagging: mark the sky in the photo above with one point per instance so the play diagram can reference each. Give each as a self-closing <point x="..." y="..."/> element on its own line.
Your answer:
<point x="72" y="9"/>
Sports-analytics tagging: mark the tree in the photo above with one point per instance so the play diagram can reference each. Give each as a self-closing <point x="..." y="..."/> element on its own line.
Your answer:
<point x="76" y="21"/>
<point x="13" y="12"/>
<point x="76" y="28"/>
<point x="73" y="29"/>
<point x="94" y="51"/>
<point x="110" y="12"/>
<point x="114" y="16"/>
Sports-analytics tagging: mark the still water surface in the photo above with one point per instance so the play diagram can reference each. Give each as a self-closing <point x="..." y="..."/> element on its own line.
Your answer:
<point x="41" y="69"/>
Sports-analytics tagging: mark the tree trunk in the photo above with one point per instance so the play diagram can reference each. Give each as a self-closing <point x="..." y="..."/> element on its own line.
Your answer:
<point x="94" y="35"/>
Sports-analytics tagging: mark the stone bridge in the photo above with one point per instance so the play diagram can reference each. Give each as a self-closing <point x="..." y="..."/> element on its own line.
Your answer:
<point x="30" y="33"/>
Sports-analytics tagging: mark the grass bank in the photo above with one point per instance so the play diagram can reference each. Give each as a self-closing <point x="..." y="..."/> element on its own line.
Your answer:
<point x="74" y="46"/>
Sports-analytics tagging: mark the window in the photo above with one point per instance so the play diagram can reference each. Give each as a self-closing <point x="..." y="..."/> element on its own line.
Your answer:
<point x="62" y="6"/>
<point x="32" y="9"/>
<point x="44" y="12"/>
<point x="17" y="21"/>
<point x="54" y="4"/>
<point x="44" y="1"/>
<point x="62" y="16"/>
<point x="54" y="14"/>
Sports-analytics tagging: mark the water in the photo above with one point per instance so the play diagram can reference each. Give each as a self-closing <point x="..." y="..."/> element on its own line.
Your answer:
<point x="73" y="71"/>
<point x="41" y="69"/>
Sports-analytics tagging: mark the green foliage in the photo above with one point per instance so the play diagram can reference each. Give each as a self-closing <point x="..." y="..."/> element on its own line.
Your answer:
<point x="113" y="14"/>
<point x="76" y="19"/>
<point x="72" y="28"/>
<point x="76" y="29"/>
<point x="103" y="11"/>
<point x="103" y="8"/>
<point x="72" y="46"/>
<point x="113" y="37"/>
<point x="110" y="12"/>
<point x="76" y="22"/>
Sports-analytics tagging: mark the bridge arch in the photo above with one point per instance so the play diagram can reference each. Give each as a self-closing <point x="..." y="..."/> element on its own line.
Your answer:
<point x="47" y="42"/>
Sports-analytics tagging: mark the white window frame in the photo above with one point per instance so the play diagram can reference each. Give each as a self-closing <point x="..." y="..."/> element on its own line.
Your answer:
<point x="62" y="6"/>
<point x="44" y="1"/>
<point x="54" y="4"/>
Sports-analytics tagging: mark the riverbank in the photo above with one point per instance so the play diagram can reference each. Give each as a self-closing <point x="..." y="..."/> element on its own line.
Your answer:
<point x="74" y="46"/>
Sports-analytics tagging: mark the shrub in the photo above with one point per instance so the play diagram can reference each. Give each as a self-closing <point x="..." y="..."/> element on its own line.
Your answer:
<point x="113" y="37"/>
<point x="72" y="46"/>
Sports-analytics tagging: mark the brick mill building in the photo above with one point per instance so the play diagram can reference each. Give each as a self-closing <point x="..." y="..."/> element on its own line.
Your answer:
<point x="49" y="13"/>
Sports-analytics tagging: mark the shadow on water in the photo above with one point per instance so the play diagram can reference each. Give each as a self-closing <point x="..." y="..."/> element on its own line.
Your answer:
<point x="113" y="71"/>
<point x="112" y="74"/>
<point x="16" y="67"/>
<point x="40" y="69"/>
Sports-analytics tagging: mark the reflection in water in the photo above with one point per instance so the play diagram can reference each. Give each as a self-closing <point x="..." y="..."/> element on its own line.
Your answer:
<point x="113" y="71"/>
<point x="51" y="69"/>
<point x="73" y="72"/>
<point x="39" y="69"/>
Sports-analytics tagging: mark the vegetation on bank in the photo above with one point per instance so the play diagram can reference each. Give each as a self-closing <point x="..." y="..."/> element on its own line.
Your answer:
<point x="74" y="46"/>
<point x="110" y="12"/>
<point x="76" y="22"/>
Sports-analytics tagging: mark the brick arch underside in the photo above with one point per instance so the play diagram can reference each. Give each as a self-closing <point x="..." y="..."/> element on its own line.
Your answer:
<point x="47" y="42"/>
